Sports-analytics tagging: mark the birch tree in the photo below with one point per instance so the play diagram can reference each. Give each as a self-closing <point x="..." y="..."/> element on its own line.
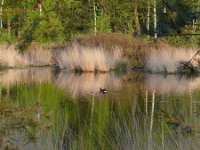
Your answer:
<point x="95" y="17"/>
<point x="148" y="17"/>
<point x="39" y="5"/>
<point x="155" y="19"/>
<point x="1" y="14"/>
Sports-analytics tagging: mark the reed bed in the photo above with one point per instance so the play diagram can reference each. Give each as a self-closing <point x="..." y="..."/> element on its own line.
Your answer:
<point x="88" y="59"/>
<point x="169" y="60"/>
<point x="39" y="55"/>
<point x="35" y="56"/>
<point x="10" y="57"/>
<point x="102" y="52"/>
<point x="108" y="40"/>
<point x="134" y="50"/>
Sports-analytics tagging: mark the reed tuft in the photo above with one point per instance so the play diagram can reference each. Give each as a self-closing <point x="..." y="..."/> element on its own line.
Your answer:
<point x="169" y="60"/>
<point x="36" y="56"/>
<point x="87" y="58"/>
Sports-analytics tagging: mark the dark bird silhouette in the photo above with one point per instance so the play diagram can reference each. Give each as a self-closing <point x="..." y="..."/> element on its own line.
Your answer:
<point x="103" y="90"/>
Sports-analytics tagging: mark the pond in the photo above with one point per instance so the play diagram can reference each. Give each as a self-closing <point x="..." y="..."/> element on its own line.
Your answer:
<point x="41" y="108"/>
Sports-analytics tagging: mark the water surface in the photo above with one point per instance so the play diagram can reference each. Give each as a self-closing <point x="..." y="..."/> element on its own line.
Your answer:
<point x="42" y="109"/>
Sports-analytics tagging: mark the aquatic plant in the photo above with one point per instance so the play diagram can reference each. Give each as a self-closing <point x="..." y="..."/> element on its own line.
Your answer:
<point x="89" y="59"/>
<point x="20" y="125"/>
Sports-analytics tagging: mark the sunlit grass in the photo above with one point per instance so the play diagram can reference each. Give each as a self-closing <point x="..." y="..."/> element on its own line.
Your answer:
<point x="36" y="56"/>
<point x="168" y="60"/>
<point x="89" y="59"/>
<point x="11" y="57"/>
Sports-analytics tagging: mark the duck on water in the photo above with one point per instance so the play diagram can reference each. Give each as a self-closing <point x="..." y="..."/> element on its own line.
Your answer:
<point x="103" y="90"/>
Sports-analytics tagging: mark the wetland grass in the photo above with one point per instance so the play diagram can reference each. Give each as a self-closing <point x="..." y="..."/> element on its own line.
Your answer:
<point x="88" y="59"/>
<point x="19" y="125"/>
<point x="105" y="52"/>
<point x="172" y="61"/>
<point x="35" y="56"/>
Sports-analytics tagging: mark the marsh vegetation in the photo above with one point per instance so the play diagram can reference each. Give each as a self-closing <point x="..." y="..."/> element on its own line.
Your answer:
<point x="57" y="56"/>
<point x="103" y="53"/>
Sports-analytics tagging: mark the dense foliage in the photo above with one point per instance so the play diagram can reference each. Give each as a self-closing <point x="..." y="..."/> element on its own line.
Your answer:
<point x="61" y="20"/>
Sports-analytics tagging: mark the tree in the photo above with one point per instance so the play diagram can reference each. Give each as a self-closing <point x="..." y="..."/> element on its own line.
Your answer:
<point x="155" y="19"/>
<point x="95" y="17"/>
<point x="1" y="14"/>
<point x="137" y="22"/>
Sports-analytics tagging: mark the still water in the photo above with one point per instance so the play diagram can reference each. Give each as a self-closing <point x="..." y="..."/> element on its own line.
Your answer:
<point x="44" y="110"/>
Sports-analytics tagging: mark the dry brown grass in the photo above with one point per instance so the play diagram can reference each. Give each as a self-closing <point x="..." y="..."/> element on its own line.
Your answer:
<point x="10" y="57"/>
<point x="36" y="56"/>
<point x="102" y="48"/>
<point x="39" y="55"/>
<point x="88" y="53"/>
<point x="108" y="40"/>
<point x="133" y="49"/>
<point x="89" y="59"/>
<point x="168" y="60"/>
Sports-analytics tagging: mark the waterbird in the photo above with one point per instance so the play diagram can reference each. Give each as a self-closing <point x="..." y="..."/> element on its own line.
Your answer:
<point x="103" y="90"/>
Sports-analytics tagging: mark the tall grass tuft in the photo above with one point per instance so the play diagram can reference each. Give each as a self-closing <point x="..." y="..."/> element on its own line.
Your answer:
<point x="10" y="57"/>
<point x="88" y="58"/>
<point x="35" y="56"/>
<point x="39" y="56"/>
<point x="168" y="60"/>
<point x="133" y="49"/>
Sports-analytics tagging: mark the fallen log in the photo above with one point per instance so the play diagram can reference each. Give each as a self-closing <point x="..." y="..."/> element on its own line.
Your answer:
<point x="187" y="67"/>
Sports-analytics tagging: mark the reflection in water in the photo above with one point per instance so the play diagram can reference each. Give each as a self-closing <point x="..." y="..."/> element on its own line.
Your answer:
<point x="88" y="82"/>
<point x="153" y="117"/>
<point x="171" y="83"/>
<point x="38" y="75"/>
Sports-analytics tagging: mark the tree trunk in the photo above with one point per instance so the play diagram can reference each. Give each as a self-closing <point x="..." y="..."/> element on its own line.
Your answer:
<point x="40" y="7"/>
<point x="148" y="16"/>
<point x="95" y="17"/>
<point x="9" y="26"/>
<point x="137" y="22"/>
<point x="1" y="14"/>
<point x="155" y="20"/>
<point x="194" y="21"/>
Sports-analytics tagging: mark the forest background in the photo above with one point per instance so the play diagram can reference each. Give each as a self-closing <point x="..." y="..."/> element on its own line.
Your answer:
<point x="58" y="21"/>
